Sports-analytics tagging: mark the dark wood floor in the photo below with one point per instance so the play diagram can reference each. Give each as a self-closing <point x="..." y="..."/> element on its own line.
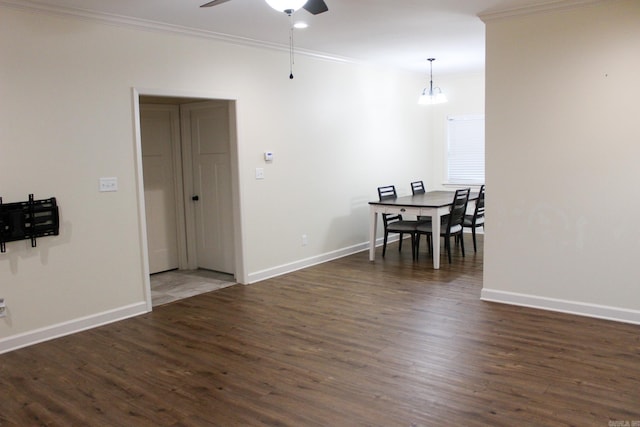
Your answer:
<point x="346" y="343"/>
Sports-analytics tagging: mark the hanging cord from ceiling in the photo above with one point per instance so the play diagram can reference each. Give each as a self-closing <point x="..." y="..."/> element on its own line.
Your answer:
<point x="291" y="48"/>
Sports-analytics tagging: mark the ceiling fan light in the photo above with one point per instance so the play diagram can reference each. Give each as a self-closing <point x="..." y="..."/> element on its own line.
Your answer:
<point x="284" y="5"/>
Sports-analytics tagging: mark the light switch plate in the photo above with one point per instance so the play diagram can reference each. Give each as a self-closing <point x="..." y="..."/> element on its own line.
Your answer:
<point x="108" y="184"/>
<point x="259" y="173"/>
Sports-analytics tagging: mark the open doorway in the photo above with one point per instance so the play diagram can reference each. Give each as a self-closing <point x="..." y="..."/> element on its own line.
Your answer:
<point x="189" y="168"/>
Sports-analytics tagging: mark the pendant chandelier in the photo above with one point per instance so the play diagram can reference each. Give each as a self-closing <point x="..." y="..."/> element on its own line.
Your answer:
<point x="431" y="95"/>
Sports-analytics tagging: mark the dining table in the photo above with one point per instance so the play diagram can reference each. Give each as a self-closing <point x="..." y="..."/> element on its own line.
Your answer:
<point x="434" y="204"/>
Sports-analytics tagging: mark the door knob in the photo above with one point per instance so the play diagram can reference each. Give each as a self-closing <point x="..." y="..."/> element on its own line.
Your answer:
<point x="195" y="198"/>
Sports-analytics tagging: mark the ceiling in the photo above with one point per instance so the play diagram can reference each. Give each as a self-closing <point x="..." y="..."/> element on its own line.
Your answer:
<point x="394" y="33"/>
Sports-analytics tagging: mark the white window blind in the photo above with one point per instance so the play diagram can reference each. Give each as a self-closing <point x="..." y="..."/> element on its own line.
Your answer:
<point x="465" y="158"/>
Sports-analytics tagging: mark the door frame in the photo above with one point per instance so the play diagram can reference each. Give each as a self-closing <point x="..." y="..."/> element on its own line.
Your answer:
<point x="240" y="274"/>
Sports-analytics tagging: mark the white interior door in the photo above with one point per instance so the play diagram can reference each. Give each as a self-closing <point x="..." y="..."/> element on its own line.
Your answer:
<point x="208" y="129"/>
<point x="160" y="131"/>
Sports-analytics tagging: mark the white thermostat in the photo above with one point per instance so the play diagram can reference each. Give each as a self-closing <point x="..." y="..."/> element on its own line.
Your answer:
<point x="268" y="156"/>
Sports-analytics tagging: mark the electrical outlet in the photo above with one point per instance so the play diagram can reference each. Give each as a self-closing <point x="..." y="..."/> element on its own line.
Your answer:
<point x="305" y="240"/>
<point x="3" y="308"/>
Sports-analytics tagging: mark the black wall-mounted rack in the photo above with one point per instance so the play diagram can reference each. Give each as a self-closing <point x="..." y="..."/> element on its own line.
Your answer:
<point x="28" y="220"/>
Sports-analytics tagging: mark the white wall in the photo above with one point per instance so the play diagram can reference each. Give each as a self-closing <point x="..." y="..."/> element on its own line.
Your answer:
<point x="562" y="149"/>
<point x="67" y="118"/>
<point x="465" y="95"/>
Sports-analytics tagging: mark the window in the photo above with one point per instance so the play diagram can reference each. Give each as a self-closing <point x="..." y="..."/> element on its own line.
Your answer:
<point x="465" y="153"/>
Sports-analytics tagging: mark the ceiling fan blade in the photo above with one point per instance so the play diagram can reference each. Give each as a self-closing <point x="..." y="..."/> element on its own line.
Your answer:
<point x="214" y="3"/>
<point x="315" y="6"/>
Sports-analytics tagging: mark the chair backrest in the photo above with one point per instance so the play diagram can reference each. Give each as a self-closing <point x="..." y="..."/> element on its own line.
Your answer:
<point x="458" y="208"/>
<point x="390" y="219"/>
<point x="417" y="187"/>
<point x="387" y="192"/>
<point x="478" y="212"/>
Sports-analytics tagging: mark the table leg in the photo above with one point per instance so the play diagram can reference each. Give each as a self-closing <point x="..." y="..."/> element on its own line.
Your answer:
<point x="373" y="226"/>
<point x="435" y="239"/>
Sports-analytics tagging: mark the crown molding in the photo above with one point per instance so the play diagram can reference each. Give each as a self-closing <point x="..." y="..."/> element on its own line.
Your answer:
<point x="548" y="6"/>
<point x="161" y="27"/>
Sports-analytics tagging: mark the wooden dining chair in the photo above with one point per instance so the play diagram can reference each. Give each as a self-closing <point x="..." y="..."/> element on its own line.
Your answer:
<point x="451" y="225"/>
<point x="477" y="219"/>
<point x="417" y="187"/>
<point x="394" y="223"/>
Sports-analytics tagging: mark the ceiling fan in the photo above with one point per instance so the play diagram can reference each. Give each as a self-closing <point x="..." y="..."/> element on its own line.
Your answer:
<point x="312" y="6"/>
<point x="289" y="7"/>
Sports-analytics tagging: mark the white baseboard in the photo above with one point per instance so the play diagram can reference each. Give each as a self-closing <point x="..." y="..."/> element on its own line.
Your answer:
<point x="308" y="262"/>
<point x="564" y="306"/>
<point x="71" y="327"/>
